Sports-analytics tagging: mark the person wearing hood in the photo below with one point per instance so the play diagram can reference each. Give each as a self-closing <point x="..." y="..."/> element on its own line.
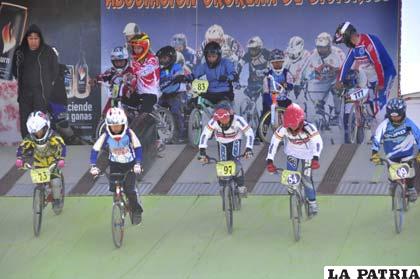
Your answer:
<point x="36" y="68"/>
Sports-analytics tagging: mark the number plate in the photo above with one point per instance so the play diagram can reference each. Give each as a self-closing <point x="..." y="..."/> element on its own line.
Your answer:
<point x="226" y="168"/>
<point x="400" y="171"/>
<point x="358" y="94"/>
<point x="290" y="178"/>
<point x="41" y="175"/>
<point x="200" y="86"/>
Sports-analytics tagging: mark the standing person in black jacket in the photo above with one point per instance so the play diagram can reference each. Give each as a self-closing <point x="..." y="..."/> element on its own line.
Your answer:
<point x="35" y="67"/>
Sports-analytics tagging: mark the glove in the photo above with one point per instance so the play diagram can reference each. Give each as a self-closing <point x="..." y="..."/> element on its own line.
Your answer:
<point x="137" y="168"/>
<point x="19" y="163"/>
<point x="315" y="163"/>
<point x="271" y="168"/>
<point x="94" y="171"/>
<point x="248" y="153"/>
<point x="179" y="79"/>
<point x="375" y="158"/>
<point x="223" y="78"/>
<point x="203" y="158"/>
<point x="418" y="158"/>
<point x="60" y="164"/>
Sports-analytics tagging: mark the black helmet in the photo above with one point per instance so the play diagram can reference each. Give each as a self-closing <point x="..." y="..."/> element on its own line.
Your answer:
<point x="213" y="48"/>
<point x="169" y="52"/>
<point x="343" y="34"/>
<point x="276" y="55"/>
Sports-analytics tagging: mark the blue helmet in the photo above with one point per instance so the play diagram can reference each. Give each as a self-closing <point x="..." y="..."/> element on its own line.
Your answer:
<point x="396" y="107"/>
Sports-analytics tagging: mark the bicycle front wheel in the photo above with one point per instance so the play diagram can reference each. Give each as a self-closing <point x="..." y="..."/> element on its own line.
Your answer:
<point x="117" y="225"/>
<point x="295" y="215"/>
<point x="195" y="127"/>
<point x="165" y="124"/>
<point x="266" y="129"/>
<point x="59" y="209"/>
<point x="228" y="207"/>
<point x="398" y="207"/>
<point x="37" y="207"/>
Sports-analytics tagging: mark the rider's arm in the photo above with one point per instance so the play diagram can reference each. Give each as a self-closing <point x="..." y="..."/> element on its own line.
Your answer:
<point x="246" y="130"/>
<point x="316" y="142"/>
<point x="275" y="141"/>
<point x="135" y="142"/>
<point x="373" y="46"/>
<point x="289" y="80"/>
<point x="57" y="140"/>
<point x="346" y="66"/>
<point x="231" y="74"/>
<point x="199" y="70"/>
<point x="206" y="134"/>
<point x="100" y="142"/>
<point x="376" y="141"/>
<point x="25" y="147"/>
<point x="266" y="86"/>
<point x="414" y="130"/>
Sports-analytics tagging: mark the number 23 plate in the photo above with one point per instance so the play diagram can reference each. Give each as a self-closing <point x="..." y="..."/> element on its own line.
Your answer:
<point x="41" y="175"/>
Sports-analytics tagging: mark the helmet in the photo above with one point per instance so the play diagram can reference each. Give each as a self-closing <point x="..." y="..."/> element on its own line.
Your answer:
<point x="396" y="107"/>
<point x="323" y="44"/>
<point x="254" y="46"/>
<point x="116" y="116"/>
<point x="39" y="121"/>
<point x="223" y="114"/>
<point x="215" y="34"/>
<point x="142" y="40"/>
<point x="343" y="34"/>
<point x="179" y="41"/>
<point x="213" y="48"/>
<point x="276" y="55"/>
<point x="295" y="48"/>
<point x="119" y="54"/>
<point x="166" y="51"/>
<point x="131" y="29"/>
<point x="180" y="59"/>
<point x="294" y="117"/>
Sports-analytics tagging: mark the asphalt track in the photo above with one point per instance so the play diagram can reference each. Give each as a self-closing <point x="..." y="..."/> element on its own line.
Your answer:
<point x="185" y="237"/>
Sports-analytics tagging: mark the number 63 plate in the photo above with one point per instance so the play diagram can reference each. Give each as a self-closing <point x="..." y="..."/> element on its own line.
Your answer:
<point x="226" y="168"/>
<point x="41" y="175"/>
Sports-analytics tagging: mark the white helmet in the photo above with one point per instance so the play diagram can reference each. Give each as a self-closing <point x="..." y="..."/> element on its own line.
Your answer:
<point x="116" y="116"/>
<point x="295" y="48"/>
<point x="119" y="53"/>
<point x="323" y="39"/>
<point x="180" y="59"/>
<point x="255" y="42"/>
<point x="179" y="41"/>
<point x="36" y="122"/>
<point x="131" y="29"/>
<point x="215" y="33"/>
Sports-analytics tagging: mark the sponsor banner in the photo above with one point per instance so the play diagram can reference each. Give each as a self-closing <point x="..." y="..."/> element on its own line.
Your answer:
<point x="371" y="272"/>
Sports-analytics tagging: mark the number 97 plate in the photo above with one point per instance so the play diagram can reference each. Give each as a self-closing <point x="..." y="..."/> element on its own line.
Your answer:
<point x="226" y="168"/>
<point x="41" y="175"/>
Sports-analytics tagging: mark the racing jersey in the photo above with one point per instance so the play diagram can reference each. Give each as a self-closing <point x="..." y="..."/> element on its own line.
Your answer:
<point x="148" y="75"/>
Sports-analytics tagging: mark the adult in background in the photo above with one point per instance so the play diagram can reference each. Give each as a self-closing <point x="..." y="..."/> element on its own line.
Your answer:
<point x="36" y="68"/>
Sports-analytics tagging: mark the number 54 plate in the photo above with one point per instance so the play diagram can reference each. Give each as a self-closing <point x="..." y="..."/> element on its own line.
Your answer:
<point x="41" y="175"/>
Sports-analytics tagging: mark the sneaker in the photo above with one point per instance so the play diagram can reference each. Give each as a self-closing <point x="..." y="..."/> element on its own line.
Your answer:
<point x="412" y="194"/>
<point x="136" y="216"/>
<point x="243" y="191"/>
<point x="313" y="208"/>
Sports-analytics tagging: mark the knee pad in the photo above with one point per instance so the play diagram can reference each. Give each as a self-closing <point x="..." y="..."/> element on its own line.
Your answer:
<point x="56" y="187"/>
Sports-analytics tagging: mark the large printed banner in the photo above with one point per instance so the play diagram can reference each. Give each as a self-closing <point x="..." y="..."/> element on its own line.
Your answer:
<point x="291" y="26"/>
<point x="73" y="27"/>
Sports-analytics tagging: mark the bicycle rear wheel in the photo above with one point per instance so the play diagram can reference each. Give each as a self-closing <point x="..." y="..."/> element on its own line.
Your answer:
<point x="100" y="128"/>
<point x="295" y="215"/>
<point x="117" y="225"/>
<point x="228" y="207"/>
<point x="195" y="127"/>
<point x="165" y="124"/>
<point x="37" y="207"/>
<point x="398" y="207"/>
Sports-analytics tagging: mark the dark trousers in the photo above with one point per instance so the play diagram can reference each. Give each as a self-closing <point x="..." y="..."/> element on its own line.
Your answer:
<point x="229" y="152"/>
<point x="28" y="104"/>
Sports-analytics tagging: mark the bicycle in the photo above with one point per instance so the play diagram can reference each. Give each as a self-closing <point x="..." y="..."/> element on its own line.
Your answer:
<point x="360" y="117"/>
<point x="398" y="173"/>
<point x="204" y="108"/>
<point x="248" y="108"/>
<point x="165" y="122"/>
<point x="297" y="197"/>
<point x="120" y="207"/>
<point x="273" y="118"/>
<point x="226" y="171"/>
<point x="42" y="194"/>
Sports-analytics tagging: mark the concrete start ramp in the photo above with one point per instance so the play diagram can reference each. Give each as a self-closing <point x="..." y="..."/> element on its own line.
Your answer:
<point x="345" y="170"/>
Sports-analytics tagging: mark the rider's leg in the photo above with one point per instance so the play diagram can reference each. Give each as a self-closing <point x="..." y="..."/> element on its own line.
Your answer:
<point x="266" y="101"/>
<point x="56" y="186"/>
<point x="337" y="103"/>
<point x="346" y="115"/>
<point x="175" y="106"/>
<point x="216" y="98"/>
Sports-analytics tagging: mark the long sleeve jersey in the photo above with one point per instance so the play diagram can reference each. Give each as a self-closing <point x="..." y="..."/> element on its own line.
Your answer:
<point x="304" y="145"/>
<point x="398" y="140"/>
<point x="238" y="128"/>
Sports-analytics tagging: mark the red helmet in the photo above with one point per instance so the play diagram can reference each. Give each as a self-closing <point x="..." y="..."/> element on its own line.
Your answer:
<point x="294" y="117"/>
<point x="142" y="40"/>
<point x="222" y="116"/>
